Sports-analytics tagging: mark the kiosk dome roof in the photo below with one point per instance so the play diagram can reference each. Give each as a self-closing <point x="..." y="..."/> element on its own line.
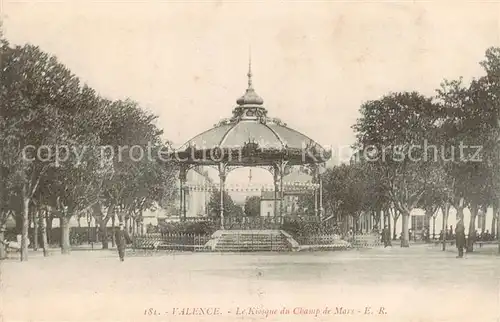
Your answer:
<point x="250" y="126"/>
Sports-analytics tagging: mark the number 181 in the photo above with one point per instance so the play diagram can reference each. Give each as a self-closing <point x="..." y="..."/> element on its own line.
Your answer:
<point x="150" y="311"/>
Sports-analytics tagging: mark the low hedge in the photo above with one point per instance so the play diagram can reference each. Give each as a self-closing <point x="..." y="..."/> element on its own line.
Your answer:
<point x="198" y="228"/>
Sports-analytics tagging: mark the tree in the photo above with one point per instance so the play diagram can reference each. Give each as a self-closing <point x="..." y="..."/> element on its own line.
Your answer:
<point x="392" y="134"/>
<point x="38" y="92"/>
<point x="152" y="184"/>
<point x="469" y="114"/>
<point x="4" y="210"/>
<point x="353" y="191"/>
<point x="214" y="204"/>
<point x="489" y="97"/>
<point x="252" y="206"/>
<point x="65" y="150"/>
<point x="345" y="191"/>
<point x="135" y="179"/>
<point x="452" y="184"/>
<point x="73" y="185"/>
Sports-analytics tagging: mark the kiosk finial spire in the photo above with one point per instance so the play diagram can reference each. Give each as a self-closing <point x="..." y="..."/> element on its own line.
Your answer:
<point x="249" y="67"/>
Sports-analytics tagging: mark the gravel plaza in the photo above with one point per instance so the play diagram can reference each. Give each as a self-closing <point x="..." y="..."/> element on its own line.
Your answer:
<point x="420" y="283"/>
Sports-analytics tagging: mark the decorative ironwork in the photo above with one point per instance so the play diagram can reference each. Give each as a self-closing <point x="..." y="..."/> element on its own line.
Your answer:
<point x="225" y="121"/>
<point x="250" y="149"/>
<point x="250" y="97"/>
<point x="278" y="121"/>
<point x="288" y="187"/>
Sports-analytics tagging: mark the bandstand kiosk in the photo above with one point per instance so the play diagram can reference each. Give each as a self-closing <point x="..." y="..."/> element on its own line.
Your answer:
<point x="250" y="138"/>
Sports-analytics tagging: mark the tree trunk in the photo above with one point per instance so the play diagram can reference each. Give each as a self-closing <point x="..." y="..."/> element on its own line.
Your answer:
<point x="494" y="218"/>
<point x="498" y="228"/>
<point x="395" y="217"/>
<point x="127" y="224"/>
<point x="113" y="231"/>
<point x="35" y="230"/>
<point x="30" y="220"/>
<point x="493" y="225"/>
<point x="103" y="230"/>
<point x="427" y="224"/>
<point x="428" y="216"/>
<point x="354" y="229"/>
<point x="18" y="217"/>
<point x="49" y="219"/>
<point x="472" y="228"/>
<point x="96" y="232"/>
<point x="482" y="220"/>
<point x="122" y="220"/>
<point x="3" y="216"/>
<point x="25" y="221"/>
<point x="377" y="217"/>
<point x="433" y="227"/>
<point x="43" y="231"/>
<point x="388" y="220"/>
<point x="405" y="240"/>
<point x="99" y="224"/>
<point x="3" y="251"/>
<point x="65" y="243"/>
<point x="446" y="211"/>
<point x="460" y="213"/>
<point x="139" y="220"/>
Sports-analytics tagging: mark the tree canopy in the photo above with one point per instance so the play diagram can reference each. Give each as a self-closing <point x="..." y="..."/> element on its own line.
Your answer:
<point x="70" y="151"/>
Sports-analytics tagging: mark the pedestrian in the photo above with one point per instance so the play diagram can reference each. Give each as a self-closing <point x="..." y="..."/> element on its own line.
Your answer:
<point x="460" y="238"/>
<point x="425" y="235"/>
<point x="120" y="242"/>
<point x="386" y="236"/>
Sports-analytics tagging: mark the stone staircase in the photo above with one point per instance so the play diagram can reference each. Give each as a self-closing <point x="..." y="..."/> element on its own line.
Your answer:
<point x="249" y="241"/>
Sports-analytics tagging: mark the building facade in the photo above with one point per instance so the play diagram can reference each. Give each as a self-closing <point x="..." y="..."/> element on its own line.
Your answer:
<point x="197" y="194"/>
<point x="268" y="205"/>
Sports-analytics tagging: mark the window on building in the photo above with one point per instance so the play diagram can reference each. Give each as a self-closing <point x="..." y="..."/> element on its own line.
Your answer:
<point x="417" y="222"/>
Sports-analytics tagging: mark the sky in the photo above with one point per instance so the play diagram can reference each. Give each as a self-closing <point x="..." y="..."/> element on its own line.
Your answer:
<point x="314" y="63"/>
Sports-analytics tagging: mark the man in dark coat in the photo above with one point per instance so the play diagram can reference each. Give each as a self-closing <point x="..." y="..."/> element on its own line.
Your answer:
<point x="120" y="243"/>
<point x="122" y="239"/>
<point x="460" y="238"/>
<point x="386" y="236"/>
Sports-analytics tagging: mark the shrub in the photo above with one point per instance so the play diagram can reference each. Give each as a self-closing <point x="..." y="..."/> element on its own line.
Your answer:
<point x="198" y="228"/>
<point x="299" y="228"/>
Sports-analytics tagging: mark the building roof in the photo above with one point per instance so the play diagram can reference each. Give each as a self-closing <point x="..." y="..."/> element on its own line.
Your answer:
<point x="250" y="137"/>
<point x="269" y="133"/>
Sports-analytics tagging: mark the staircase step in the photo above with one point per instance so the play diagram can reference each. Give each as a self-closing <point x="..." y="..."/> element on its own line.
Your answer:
<point x="248" y="240"/>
